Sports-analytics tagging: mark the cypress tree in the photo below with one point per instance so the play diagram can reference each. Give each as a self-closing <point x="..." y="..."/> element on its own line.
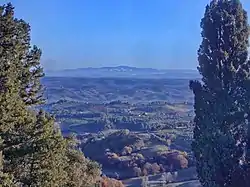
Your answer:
<point x="221" y="98"/>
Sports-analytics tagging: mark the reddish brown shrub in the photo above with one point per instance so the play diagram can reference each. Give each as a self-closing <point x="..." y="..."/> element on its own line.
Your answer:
<point x="155" y="168"/>
<point x="127" y="150"/>
<point x="182" y="161"/>
<point x="177" y="160"/>
<point x="144" y="172"/>
<point x="108" y="182"/>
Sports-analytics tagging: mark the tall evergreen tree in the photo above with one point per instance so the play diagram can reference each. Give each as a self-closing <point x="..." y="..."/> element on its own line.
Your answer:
<point x="15" y="121"/>
<point x="35" y="153"/>
<point x="221" y="100"/>
<point x="47" y="159"/>
<point x="29" y="70"/>
<point x="5" y="179"/>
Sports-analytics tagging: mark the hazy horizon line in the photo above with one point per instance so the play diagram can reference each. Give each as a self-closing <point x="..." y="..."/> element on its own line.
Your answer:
<point x="120" y="66"/>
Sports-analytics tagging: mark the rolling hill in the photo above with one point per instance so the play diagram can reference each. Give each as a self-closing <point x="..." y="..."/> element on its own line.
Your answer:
<point x="125" y="72"/>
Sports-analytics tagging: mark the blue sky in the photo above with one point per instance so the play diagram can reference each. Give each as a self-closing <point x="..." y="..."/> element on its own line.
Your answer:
<point x="93" y="33"/>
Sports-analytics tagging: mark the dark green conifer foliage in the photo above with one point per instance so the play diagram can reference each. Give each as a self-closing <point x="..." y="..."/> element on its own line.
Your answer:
<point x="221" y="100"/>
<point x="15" y="121"/>
<point x="27" y="57"/>
<point x="35" y="154"/>
<point x="32" y="72"/>
<point x="48" y="157"/>
<point x="5" y="179"/>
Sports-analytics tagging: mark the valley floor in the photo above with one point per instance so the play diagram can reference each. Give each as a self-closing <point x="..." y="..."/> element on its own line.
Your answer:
<point x="182" y="178"/>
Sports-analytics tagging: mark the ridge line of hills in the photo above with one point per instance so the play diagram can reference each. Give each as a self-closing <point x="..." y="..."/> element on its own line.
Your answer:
<point x="125" y="72"/>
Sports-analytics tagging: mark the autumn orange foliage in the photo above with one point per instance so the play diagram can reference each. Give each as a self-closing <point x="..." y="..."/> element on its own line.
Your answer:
<point x="109" y="182"/>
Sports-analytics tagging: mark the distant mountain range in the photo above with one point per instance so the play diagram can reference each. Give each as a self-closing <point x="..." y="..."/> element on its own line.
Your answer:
<point x="125" y="72"/>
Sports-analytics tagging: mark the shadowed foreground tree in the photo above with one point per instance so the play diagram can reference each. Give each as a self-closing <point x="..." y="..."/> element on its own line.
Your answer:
<point x="33" y="151"/>
<point x="47" y="157"/>
<point x="5" y="179"/>
<point x="221" y="100"/>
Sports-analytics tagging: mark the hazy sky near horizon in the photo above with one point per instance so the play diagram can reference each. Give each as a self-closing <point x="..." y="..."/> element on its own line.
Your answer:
<point x="93" y="33"/>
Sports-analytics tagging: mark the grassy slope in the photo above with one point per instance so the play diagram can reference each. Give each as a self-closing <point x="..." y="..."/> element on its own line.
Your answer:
<point x="185" y="178"/>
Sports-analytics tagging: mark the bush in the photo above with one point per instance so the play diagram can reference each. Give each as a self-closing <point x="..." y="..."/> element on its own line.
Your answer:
<point x="155" y="168"/>
<point x="137" y="171"/>
<point x="109" y="182"/>
<point x="177" y="160"/>
<point x="127" y="150"/>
